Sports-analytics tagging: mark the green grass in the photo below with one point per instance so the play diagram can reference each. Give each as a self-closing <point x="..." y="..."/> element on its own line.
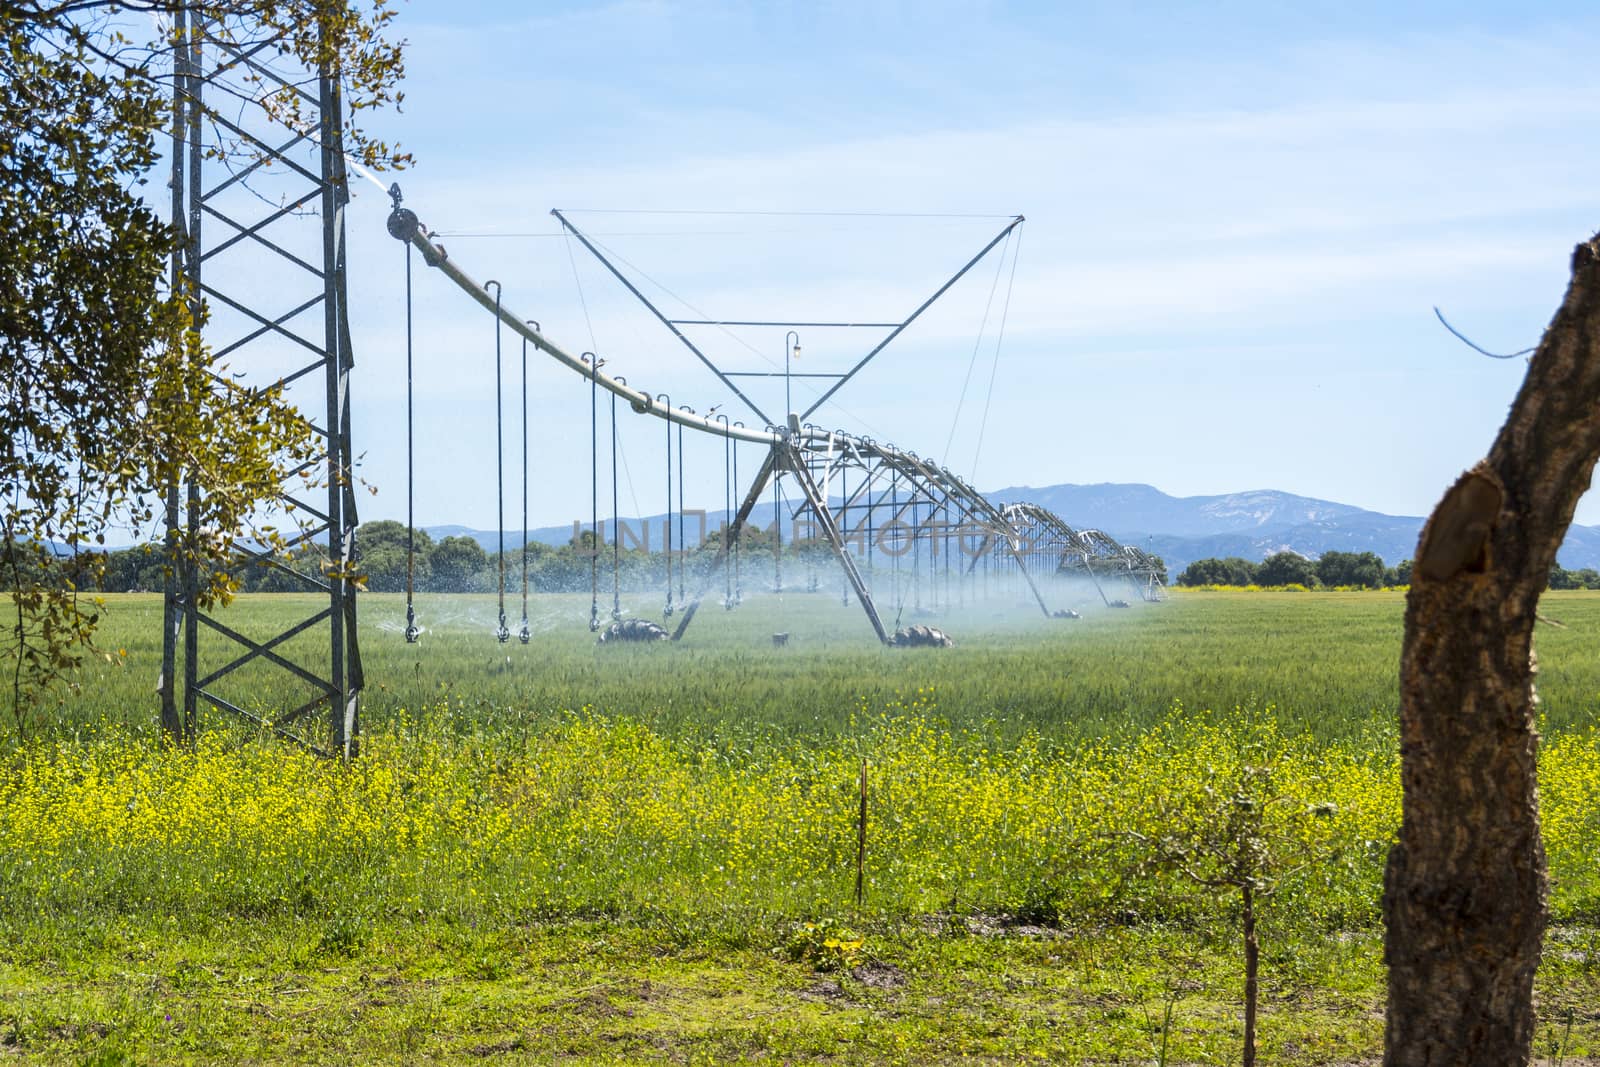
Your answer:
<point x="568" y="853"/>
<point x="137" y="991"/>
<point x="1327" y="662"/>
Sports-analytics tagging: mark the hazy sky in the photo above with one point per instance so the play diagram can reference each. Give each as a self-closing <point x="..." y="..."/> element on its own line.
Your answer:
<point x="1239" y="219"/>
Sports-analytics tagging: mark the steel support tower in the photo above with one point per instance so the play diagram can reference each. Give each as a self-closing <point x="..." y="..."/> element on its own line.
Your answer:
<point x="259" y="204"/>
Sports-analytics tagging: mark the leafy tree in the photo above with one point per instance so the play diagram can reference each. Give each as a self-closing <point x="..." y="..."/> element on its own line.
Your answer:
<point x="1351" y="568"/>
<point x="536" y="553"/>
<point x="1241" y="571"/>
<point x="263" y="576"/>
<point x="563" y="569"/>
<point x="133" y="570"/>
<point x="1230" y="571"/>
<point x="1286" y="568"/>
<point x="458" y="564"/>
<point x="1399" y="574"/>
<point x="108" y="394"/>
<point x="1243" y="835"/>
<point x="1561" y="578"/>
<point x="1584" y="578"/>
<point x="383" y="556"/>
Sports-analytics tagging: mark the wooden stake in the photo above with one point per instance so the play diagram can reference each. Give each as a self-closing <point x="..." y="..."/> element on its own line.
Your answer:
<point x="861" y="835"/>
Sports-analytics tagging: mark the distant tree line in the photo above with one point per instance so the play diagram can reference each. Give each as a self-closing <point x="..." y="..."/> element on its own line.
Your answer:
<point x="462" y="565"/>
<point x="1361" y="570"/>
<point x="1583" y="578"/>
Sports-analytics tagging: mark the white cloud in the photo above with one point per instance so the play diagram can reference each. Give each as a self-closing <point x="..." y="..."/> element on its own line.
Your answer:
<point x="1373" y="180"/>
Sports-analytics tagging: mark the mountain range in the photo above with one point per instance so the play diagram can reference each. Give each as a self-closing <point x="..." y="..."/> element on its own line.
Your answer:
<point x="1252" y="524"/>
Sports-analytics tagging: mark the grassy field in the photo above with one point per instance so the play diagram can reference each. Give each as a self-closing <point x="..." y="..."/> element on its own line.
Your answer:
<point x="1330" y="668"/>
<point x="564" y="852"/>
<point x="1326" y="662"/>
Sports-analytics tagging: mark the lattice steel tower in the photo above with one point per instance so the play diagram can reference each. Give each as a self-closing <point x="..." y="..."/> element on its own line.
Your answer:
<point x="260" y="206"/>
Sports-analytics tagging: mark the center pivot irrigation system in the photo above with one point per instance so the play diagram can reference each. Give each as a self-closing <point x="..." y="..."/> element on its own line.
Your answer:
<point x="271" y="294"/>
<point x="856" y="495"/>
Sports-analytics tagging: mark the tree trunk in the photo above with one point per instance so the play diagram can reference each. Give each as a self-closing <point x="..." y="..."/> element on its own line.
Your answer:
<point x="1464" y="894"/>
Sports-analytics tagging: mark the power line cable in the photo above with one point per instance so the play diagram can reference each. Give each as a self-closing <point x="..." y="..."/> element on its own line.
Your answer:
<point x="1481" y="351"/>
<point x="789" y="214"/>
<point x="1005" y="312"/>
<point x="544" y="234"/>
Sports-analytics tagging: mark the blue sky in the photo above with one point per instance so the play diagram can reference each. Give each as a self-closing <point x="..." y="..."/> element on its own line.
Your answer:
<point x="1239" y="219"/>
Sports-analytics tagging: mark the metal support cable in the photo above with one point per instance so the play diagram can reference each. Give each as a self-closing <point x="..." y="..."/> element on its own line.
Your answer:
<point x="683" y="543"/>
<point x="872" y="566"/>
<point x="594" y="492"/>
<point x="727" y="514"/>
<point x="916" y="556"/>
<point x="501" y="633"/>
<point x="812" y="469"/>
<point x="667" y="612"/>
<point x="815" y="473"/>
<point x="405" y="226"/>
<point x="524" y="634"/>
<point x="977" y="346"/>
<point x="986" y="554"/>
<point x="1005" y="313"/>
<point x="616" y="526"/>
<point x="943" y="550"/>
<point x="894" y="510"/>
<point x="690" y="345"/>
<point x="738" y="537"/>
<point x="844" y="524"/>
<point x="412" y="632"/>
<point x="898" y="330"/>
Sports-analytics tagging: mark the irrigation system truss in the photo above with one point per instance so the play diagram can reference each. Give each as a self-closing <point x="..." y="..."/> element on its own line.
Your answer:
<point x="272" y="298"/>
<point x="860" y="497"/>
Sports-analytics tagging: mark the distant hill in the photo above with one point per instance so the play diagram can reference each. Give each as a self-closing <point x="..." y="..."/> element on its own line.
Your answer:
<point x="1180" y="530"/>
<point x="1251" y="524"/>
<point x="1145" y="509"/>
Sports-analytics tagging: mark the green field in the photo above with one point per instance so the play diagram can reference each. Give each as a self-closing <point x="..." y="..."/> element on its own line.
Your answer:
<point x="1327" y="663"/>
<point x="583" y="854"/>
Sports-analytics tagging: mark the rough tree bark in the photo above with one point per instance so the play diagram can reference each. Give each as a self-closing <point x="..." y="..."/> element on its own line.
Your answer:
<point x="1464" y="895"/>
